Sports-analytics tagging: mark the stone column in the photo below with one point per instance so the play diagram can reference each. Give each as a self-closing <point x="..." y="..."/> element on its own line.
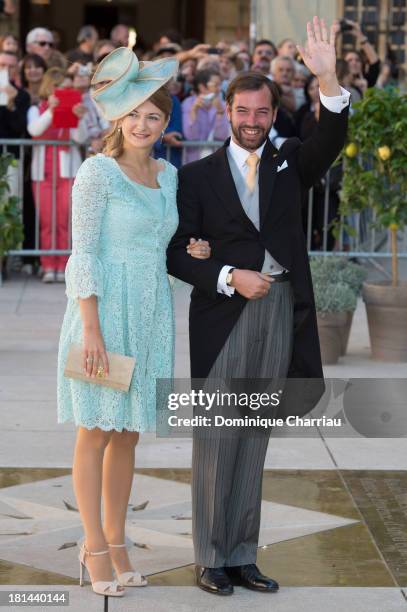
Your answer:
<point x="278" y="19"/>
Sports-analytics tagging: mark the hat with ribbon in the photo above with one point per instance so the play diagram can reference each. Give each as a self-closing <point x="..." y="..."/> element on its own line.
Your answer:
<point x="121" y="82"/>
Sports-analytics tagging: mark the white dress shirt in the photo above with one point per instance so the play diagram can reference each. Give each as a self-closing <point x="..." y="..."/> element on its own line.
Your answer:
<point x="335" y="104"/>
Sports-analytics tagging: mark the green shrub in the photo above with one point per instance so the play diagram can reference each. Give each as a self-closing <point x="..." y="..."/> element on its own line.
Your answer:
<point x="336" y="297"/>
<point x="11" y="227"/>
<point x="337" y="283"/>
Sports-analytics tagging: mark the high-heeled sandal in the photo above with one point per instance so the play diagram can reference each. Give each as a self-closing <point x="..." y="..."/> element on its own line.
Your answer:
<point x="129" y="579"/>
<point x="111" y="588"/>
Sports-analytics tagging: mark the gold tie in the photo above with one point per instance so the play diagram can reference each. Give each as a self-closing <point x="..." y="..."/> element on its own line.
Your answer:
<point x="252" y="161"/>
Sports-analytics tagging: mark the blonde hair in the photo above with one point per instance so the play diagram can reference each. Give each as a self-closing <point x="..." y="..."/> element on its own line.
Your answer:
<point x="51" y="79"/>
<point x="113" y="141"/>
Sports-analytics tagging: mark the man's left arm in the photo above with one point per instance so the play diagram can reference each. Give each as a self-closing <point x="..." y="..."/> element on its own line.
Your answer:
<point x="317" y="154"/>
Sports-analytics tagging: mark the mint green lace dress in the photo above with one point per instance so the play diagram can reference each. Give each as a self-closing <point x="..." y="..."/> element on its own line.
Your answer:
<point x="120" y="232"/>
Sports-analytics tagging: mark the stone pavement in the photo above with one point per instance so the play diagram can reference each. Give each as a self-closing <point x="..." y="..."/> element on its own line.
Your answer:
<point x="334" y="526"/>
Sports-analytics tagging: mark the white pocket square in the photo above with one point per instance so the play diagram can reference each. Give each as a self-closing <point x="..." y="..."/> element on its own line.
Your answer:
<point x="283" y="166"/>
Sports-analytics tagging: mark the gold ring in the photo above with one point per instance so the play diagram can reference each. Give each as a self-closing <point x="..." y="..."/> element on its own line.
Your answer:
<point x="100" y="372"/>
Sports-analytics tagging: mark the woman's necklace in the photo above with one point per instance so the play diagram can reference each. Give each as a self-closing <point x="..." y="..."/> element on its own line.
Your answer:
<point x="137" y="179"/>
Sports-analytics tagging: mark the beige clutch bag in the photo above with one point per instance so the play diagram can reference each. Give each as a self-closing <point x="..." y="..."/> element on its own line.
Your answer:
<point x="120" y="369"/>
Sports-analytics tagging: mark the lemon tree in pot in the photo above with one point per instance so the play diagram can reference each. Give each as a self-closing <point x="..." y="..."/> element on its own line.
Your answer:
<point x="375" y="177"/>
<point x="11" y="227"/>
<point x="337" y="283"/>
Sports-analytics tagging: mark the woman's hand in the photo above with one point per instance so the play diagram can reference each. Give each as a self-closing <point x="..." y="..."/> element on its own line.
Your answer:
<point x="199" y="103"/>
<point x="174" y="139"/>
<point x="53" y="102"/>
<point x="199" y="51"/>
<point x="94" y="352"/>
<point x="219" y="107"/>
<point x="361" y="83"/>
<point x="199" y="249"/>
<point x="356" y="30"/>
<point x="73" y="68"/>
<point x="79" y="110"/>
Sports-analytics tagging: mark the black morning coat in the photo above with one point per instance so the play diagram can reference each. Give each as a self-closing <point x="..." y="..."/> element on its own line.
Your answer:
<point x="209" y="208"/>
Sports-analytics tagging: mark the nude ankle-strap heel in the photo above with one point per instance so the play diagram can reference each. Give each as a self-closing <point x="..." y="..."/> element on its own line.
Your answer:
<point x="129" y="579"/>
<point x="111" y="588"/>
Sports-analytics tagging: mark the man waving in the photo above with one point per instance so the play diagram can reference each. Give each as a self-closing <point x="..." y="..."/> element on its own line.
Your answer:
<point x="252" y="312"/>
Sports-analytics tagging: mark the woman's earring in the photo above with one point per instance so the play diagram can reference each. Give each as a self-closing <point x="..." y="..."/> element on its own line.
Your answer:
<point x="119" y="128"/>
<point x="162" y="136"/>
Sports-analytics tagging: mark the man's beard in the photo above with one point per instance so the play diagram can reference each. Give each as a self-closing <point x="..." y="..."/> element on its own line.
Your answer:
<point x="251" y="144"/>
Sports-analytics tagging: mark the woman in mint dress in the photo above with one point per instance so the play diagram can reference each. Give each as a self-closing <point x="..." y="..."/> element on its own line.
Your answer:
<point x="124" y="214"/>
<point x="121" y="230"/>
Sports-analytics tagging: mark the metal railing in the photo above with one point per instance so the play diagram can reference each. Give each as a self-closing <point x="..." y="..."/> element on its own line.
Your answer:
<point x="24" y="183"/>
<point x="367" y="242"/>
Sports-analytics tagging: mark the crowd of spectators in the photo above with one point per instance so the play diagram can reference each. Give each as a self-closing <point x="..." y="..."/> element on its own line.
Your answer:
<point x="31" y="75"/>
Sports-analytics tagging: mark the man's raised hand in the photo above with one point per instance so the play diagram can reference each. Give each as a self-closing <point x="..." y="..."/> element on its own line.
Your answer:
<point x="319" y="55"/>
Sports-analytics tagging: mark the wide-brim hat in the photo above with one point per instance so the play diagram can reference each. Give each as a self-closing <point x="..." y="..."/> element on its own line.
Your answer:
<point x="125" y="83"/>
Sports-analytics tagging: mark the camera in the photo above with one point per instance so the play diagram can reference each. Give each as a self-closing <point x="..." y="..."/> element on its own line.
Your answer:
<point x="345" y="26"/>
<point x="84" y="71"/>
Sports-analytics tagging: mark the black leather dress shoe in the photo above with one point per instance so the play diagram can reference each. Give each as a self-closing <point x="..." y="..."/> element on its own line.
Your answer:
<point x="249" y="576"/>
<point x="213" y="580"/>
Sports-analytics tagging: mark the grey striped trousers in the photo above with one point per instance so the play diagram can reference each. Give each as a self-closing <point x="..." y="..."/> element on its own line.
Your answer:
<point x="227" y="470"/>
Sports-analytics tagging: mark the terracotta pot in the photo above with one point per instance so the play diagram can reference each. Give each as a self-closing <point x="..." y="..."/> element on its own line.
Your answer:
<point x="331" y="326"/>
<point x="386" y="308"/>
<point x="346" y="331"/>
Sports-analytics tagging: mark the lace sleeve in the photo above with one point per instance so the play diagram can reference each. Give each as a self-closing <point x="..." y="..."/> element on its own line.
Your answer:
<point x="84" y="270"/>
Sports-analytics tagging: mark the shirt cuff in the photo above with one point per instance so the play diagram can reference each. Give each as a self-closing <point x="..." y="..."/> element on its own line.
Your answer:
<point x="222" y="286"/>
<point x="335" y="104"/>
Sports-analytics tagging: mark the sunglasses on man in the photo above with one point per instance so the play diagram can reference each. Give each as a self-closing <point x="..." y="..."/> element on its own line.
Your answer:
<point x="44" y="43"/>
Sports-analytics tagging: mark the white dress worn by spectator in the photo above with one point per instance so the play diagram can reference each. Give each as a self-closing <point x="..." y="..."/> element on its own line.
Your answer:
<point x="70" y="160"/>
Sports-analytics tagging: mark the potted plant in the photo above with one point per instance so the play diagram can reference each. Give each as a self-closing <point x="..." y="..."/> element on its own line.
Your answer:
<point x="328" y="271"/>
<point x="11" y="227"/>
<point x="375" y="177"/>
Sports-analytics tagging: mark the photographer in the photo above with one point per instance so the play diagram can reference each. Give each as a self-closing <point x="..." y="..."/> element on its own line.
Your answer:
<point x="204" y="114"/>
<point x="14" y="105"/>
<point x="364" y="65"/>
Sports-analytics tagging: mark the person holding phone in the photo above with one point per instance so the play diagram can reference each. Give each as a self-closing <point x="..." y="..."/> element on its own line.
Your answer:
<point x="364" y="65"/>
<point x="204" y="114"/>
<point x="14" y="104"/>
<point x="52" y="172"/>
